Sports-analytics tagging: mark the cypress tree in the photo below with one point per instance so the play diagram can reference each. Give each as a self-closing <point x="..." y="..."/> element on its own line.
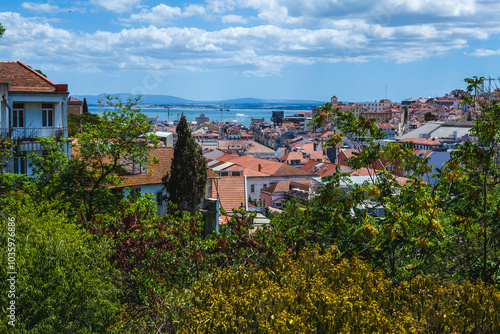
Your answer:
<point x="185" y="184"/>
<point x="85" y="109"/>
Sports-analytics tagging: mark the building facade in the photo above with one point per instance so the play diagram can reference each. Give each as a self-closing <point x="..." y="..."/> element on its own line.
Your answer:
<point x="31" y="106"/>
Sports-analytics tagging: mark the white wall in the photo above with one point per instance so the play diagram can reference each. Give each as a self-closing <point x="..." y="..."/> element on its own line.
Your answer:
<point x="258" y="183"/>
<point x="437" y="159"/>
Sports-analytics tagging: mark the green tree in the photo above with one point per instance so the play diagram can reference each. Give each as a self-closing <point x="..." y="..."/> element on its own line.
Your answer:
<point x="429" y="116"/>
<point x="2" y="30"/>
<point x="186" y="182"/>
<point x="64" y="281"/>
<point x="381" y="220"/>
<point x="85" y="108"/>
<point x="472" y="179"/>
<point x="76" y="122"/>
<point x="120" y="142"/>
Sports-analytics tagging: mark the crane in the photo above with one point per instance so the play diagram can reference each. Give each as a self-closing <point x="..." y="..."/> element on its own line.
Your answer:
<point x="100" y="113"/>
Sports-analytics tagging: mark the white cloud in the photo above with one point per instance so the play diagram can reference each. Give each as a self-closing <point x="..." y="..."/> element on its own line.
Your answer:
<point x="194" y="10"/>
<point x="234" y="19"/>
<point x="118" y="6"/>
<point x="39" y="7"/>
<point x="485" y="53"/>
<point x="293" y="32"/>
<point x="157" y="15"/>
<point x="437" y="8"/>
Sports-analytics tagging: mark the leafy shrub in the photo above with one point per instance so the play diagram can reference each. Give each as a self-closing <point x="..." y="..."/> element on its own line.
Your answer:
<point x="319" y="294"/>
<point x="64" y="282"/>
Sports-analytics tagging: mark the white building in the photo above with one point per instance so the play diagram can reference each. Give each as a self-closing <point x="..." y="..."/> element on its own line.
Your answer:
<point x="374" y="106"/>
<point x="30" y="106"/>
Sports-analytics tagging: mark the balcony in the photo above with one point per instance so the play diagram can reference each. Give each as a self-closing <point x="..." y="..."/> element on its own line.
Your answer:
<point x="29" y="134"/>
<point x="25" y="140"/>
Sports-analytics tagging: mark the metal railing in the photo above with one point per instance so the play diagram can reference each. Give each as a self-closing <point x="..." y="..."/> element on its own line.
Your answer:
<point x="31" y="133"/>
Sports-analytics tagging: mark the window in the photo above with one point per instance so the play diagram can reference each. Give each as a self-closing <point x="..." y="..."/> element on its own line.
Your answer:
<point x="224" y="173"/>
<point x="252" y="188"/>
<point x="159" y="198"/>
<point x="18" y="115"/>
<point x="265" y="186"/>
<point x="20" y="163"/>
<point x="47" y="114"/>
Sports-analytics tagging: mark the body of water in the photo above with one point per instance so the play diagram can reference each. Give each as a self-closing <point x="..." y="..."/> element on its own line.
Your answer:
<point x="243" y="116"/>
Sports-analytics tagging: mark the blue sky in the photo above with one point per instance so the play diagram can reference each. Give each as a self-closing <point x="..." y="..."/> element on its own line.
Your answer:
<point x="276" y="49"/>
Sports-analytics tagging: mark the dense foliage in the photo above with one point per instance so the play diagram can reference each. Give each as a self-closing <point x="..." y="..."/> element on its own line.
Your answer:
<point x="319" y="294"/>
<point x="64" y="282"/>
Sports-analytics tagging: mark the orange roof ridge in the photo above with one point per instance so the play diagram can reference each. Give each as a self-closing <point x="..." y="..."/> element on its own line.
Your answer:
<point x="35" y="72"/>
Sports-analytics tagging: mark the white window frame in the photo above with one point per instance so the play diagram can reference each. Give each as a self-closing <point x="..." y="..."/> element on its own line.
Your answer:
<point x="18" y="115"/>
<point x="47" y="115"/>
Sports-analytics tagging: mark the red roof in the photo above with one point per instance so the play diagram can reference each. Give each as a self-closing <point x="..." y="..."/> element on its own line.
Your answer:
<point x="154" y="172"/>
<point x="320" y="169"/>
<point x="422" y="141"/>
<point x="230" y="190"/>
<point x="261" y="167"/>
<point x="22" y="78"/>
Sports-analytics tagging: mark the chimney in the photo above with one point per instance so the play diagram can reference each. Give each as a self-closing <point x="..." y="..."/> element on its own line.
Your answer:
<point x="260" y="167"/>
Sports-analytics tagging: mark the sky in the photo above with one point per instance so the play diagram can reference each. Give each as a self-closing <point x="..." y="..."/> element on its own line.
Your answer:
<point x="357" y="50"/>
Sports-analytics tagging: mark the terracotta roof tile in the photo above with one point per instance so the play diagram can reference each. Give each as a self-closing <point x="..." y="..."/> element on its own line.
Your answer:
<point x="21" y="78"/>
<point x="284" y="186"/>
<point x="320" y="169"/>
<point x="154" y="175"/>
<point x="422" y="141"/>
<point x="230" y="190"/>
<point x="261" y="167"/>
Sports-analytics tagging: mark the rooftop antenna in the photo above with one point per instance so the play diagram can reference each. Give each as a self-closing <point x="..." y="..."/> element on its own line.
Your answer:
<point x="386" y="92"/>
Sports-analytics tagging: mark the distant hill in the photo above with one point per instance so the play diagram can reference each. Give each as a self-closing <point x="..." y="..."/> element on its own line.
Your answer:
<point x="146" y="99"/>
<point x="167" y="100"/>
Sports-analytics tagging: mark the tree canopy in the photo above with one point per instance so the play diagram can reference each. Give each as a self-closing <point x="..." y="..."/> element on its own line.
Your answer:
<point x="85" y="107"/>
<point x="186" y="182"/>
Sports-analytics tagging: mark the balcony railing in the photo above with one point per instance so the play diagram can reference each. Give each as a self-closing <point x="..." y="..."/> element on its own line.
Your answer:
<point x="31" y="133"/>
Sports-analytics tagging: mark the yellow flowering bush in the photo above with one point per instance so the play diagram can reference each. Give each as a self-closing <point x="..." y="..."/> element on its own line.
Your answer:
<point x="319" y="294"/>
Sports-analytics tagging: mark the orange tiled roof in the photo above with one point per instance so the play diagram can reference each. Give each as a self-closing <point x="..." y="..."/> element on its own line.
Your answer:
<point x="22" y="78"/>
<point x="364" y="172"/>
<point x="230" y="190"/>
<point x="421" y="141"/>
<point x="154" y="175"/>
<point x="349" y="152"/>
<point x="316" y="155"/>
<point x="284" y="186"/>
<point x="74" y="101"/>
<point x="326" y="169"/>
<point x="261" y="167"/>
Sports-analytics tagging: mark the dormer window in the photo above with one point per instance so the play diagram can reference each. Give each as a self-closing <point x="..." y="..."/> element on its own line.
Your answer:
<point x="47" y="114"/>
<point x="18" y="115"/>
